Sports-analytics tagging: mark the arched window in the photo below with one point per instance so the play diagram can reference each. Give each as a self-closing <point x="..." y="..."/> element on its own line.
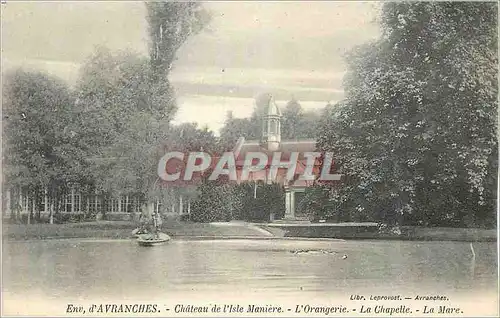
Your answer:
<point x="273" y="129"/>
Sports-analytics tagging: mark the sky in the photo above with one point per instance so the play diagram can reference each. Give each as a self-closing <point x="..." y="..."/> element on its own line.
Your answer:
<point x="293" y="48"/>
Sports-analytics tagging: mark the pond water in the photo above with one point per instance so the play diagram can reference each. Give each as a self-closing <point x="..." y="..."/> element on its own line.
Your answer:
<point x="121" y="269"/>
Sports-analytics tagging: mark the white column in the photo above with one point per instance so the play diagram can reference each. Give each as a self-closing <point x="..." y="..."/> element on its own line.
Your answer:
<point x="181" y="205"/>
<point x="23" y="201"/>
<point x="51" y="212"/>
<point x="7" y="204"/>
<point x="288" y="206"/>
<point x="33" y="202"/>
<point x="29" y="212"/>
<point x="72" y="200"/>
<point x="151" y="208"/>
<point x="20" y="205"/>
<point x="46" y="201"/>
<point x="26" y="199"/>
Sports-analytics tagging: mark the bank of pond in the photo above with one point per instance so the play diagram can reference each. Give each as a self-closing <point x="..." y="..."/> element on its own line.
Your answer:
<point x="123" y="230"/>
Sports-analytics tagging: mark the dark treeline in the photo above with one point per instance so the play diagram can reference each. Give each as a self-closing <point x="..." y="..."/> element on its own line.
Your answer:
<point x="416" y="136"/>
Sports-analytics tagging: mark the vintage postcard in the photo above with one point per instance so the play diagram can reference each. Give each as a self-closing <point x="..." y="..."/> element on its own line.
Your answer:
<point x="249" y="159"/>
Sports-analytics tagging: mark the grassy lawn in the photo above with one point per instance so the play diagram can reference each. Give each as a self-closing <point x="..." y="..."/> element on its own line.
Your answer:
<point x="450" y="234"/>
<point x="121" y="230"/>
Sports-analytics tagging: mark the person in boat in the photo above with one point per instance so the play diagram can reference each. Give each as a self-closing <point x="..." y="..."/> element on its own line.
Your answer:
<point x="156" y="224"/>
<point x="159" y="221"/>
<point x="143" y="225"/>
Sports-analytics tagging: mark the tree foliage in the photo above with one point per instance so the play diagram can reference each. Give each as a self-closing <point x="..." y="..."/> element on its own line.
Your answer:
<point x="129" y="102"/>
<point x="223" y="201"/>
<point x="124" y="117"/>
<point x="40" y="142"/>
<point x="416" y="134"/>
<point x="298" y="123"/>
<point x="171" y="24"/>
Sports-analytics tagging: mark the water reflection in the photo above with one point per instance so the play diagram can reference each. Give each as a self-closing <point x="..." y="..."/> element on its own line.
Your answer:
<point x="124" y="269"/>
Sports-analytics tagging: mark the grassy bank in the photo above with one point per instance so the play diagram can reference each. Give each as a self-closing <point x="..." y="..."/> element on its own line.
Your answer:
<point x="411" y="233"/>
<point x="123" y="229"/>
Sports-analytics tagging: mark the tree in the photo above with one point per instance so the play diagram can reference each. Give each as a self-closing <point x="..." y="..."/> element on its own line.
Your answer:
<point x="122" y="84"/>
<point x="234" y="128"/>
<point x="171" y="24"/>
<point x="308" y="127"/>
<point x="317" y="204"/>
<point x="123" y="118"/>
<point x="129" y="102"/>
<point x="292" y="115"/>
<point x="40" y="149"/>
<point x="416" y="133"/>
<point x="298" y="123"/>
<point x="189" y="137"/>
<point x="215" y="202"/>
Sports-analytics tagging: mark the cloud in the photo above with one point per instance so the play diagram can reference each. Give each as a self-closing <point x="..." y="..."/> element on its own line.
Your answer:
<point x="243" y="34"/>
<point x="67" y="71"/>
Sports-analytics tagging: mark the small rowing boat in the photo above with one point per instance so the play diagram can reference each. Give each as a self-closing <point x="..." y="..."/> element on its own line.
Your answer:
<point x="138" y="232"/>
<point x="152" y="239"/>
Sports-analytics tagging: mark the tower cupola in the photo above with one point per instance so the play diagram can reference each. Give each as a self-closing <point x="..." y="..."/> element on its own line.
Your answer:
<point x="271" y="126"/>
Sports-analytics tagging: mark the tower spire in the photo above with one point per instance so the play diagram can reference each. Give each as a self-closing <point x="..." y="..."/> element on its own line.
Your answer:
<point x="271" y="126"/>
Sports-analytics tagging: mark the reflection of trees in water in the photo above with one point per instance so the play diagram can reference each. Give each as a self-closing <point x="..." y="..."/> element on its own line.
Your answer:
<point x="473" y="261"/>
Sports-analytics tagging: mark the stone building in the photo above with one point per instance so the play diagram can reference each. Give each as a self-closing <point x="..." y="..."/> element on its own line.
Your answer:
<point x="271" y="143"/>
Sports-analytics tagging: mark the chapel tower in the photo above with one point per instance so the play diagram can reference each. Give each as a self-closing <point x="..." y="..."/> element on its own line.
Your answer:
<point x="271" y="126"/>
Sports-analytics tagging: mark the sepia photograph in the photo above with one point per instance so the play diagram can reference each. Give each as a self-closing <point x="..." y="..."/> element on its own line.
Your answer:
<point x="249" y="158"/>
